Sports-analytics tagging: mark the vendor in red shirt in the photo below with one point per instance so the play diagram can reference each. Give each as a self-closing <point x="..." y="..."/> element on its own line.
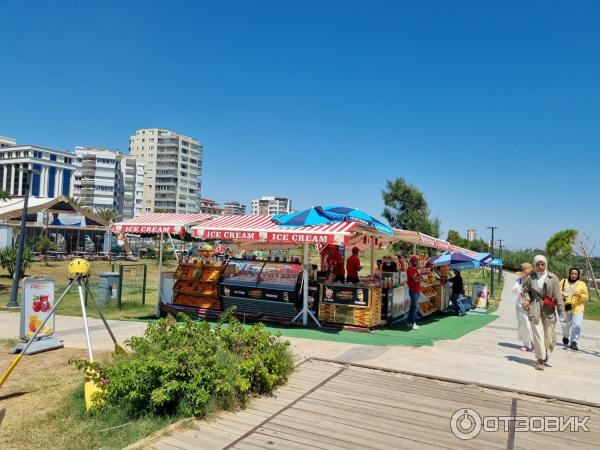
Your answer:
<point x="414" y="291"/>
<point x="335" y="264"/>
<point x="353" y="267"/>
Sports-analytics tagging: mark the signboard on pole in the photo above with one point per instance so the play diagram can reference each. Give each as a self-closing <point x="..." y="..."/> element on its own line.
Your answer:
<point x="480" y="295"/>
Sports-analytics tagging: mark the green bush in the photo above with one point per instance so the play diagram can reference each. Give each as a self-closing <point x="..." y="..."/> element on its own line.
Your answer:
<point x="8" y="259"/>
<point x="188" y="368"/>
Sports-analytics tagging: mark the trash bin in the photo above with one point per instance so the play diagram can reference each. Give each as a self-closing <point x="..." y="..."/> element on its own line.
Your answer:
<point x="106" y="283"/>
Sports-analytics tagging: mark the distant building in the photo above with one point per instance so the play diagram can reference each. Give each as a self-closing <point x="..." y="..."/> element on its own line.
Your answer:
<point x="53" y="170"/>
<point x="210" y="207"/>
<point x="98" y="179"/>
<point x="7" y="142"/>
<point x="234" y="208"/>
<point x="471" y="235"/>
<point x="132" y="175"/>
<point x="173" y="167"/>
<point x="271" y="205"/>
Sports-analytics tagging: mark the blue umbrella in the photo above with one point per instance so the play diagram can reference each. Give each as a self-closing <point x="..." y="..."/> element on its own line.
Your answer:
<point x="306" y="217"/>
<point x="475" y="265"/>
<point x="454" y="258"/>
<point x="344" y="214"/>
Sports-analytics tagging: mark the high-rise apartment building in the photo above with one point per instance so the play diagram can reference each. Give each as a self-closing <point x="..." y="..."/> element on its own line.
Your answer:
<point x="471" y="235"/>
<point x="98" y="182"/>
<point x="271" y="205"/>
<point x="172" y="170"/>
<point x="132" y="174"/>
<point x="234" y="208"/>
<point x="53" y="170"/>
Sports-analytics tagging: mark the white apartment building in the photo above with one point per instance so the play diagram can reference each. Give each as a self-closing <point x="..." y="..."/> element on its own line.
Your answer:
<point x="271" y="205"/>
<point x="132" y="175"/>
<point x="234" y="208"/>
<point x="7" y="142"/>
<point x="53" y="170"/>
<point x="471" y="235"/>
<point x="172" y="170"/>
<point x="98" y="182"/>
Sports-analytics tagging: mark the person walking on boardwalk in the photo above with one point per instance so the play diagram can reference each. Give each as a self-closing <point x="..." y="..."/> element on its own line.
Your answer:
<point x="575" y="294"/>
<point x="541" y="298"/>
<point x="414" y="291"/>
<point x="524" y="326"/>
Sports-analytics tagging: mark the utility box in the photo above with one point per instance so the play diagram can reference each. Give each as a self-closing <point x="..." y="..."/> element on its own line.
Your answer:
<point x="106" y="286"/>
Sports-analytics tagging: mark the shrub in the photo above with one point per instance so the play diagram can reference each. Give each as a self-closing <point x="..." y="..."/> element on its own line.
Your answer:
<point x="8" y="259"/>
<point x="190" y="369"/>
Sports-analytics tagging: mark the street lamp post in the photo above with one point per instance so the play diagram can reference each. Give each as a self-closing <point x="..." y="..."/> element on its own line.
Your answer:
<point x="500" y="256"/>
<point x="492" y="267"/>
<point x="13" y="303"/>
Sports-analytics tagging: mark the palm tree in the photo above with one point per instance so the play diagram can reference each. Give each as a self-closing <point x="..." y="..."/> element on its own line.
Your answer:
<point x="4" y="195"/>
<point x="107" y="214"/>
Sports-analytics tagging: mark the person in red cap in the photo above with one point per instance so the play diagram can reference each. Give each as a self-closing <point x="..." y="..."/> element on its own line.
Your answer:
<point x="353" y="267"/>
<point x="414" y="291"/>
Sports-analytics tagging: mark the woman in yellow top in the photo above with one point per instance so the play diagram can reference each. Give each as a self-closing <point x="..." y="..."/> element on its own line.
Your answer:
<point x="575" y="294"/>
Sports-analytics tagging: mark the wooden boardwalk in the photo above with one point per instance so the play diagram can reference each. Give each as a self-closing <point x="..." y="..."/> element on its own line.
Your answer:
<point x="331" y="406"/>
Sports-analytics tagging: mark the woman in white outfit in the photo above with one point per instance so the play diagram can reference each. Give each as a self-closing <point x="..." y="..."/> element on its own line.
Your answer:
<point x="524" y="326"/>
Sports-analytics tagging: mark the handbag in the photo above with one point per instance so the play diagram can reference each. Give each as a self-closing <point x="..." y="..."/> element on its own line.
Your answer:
<point x="549" y="301"/>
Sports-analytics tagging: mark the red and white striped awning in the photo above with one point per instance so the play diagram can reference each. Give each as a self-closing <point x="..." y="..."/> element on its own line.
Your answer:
<point x="424" y="240"/>
<point x="237" y="228"/>
<point x="155" y="223"/>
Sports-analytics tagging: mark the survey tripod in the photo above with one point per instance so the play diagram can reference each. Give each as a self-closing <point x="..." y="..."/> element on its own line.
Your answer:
<point x="78" y="275"/>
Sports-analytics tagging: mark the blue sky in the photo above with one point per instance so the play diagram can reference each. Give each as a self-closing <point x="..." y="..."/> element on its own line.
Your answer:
<point x="490" y="108"/>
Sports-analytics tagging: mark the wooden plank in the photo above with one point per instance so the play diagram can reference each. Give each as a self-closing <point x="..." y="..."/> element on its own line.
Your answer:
<point x="182" y="444"/>
<point x="273" y="442"/>
<point x="324" y="441"/>
<point x="392" y="430"/>
<point x="159" y="445"/>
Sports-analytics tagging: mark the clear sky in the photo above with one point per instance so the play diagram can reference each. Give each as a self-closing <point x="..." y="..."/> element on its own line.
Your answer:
<point x="492" y="109"/>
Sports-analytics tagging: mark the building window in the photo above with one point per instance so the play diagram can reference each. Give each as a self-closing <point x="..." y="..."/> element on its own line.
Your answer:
<point x="51" y="180"/>
<point x="66" y="182"/>
<point x="52" y="157"/>
<point x="36" y="182"/>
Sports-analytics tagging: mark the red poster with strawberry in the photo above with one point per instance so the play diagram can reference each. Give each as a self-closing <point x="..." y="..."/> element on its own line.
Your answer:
<point x="37" y="300"/>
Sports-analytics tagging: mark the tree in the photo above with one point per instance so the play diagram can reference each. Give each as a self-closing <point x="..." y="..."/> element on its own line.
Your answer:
<point x="560" y="247"/>
<point x="107" y="214"/>
<point x="584" y="247"/>
<point x="406" y="208"/>
<point x="8" y="259"/>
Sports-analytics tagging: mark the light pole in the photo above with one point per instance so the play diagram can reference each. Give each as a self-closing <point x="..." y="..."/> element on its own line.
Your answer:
<point x="13" y="303"/>
<point x="500" y="256"/>
<point x="492" y="267"/>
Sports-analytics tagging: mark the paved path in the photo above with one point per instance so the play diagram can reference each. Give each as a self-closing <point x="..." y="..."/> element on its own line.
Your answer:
<point x="334" y="407"/>
<point x="489" y="355"/>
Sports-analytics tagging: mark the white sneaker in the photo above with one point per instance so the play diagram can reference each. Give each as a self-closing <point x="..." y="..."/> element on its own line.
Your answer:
<point x="415" y="326"/>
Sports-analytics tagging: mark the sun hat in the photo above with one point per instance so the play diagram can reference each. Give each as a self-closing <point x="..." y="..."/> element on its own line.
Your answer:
<point x="526" y="269"/>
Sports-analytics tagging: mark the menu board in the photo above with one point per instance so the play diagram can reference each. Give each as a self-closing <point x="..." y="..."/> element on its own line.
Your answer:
<point x="258" y="293"/>
<point x="339" y="294"/>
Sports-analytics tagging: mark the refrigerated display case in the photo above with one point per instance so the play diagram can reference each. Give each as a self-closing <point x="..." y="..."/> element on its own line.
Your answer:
<point x="262" y="288"/>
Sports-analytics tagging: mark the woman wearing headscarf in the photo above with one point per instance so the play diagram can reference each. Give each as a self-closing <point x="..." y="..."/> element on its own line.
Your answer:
<point x="541" y="298"/>
<point x="575" y="294"/>
<point x="524" y="327"/>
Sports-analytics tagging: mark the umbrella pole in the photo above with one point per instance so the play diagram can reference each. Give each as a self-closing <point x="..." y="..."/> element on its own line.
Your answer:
<point x="160" y="255"/>
<point x="372" y="256"/>
<point x="305" y="290"/>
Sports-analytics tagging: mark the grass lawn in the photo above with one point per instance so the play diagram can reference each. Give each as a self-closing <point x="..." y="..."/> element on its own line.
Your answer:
<point x="44" y="407"/>
<point x="132" y="307"/>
